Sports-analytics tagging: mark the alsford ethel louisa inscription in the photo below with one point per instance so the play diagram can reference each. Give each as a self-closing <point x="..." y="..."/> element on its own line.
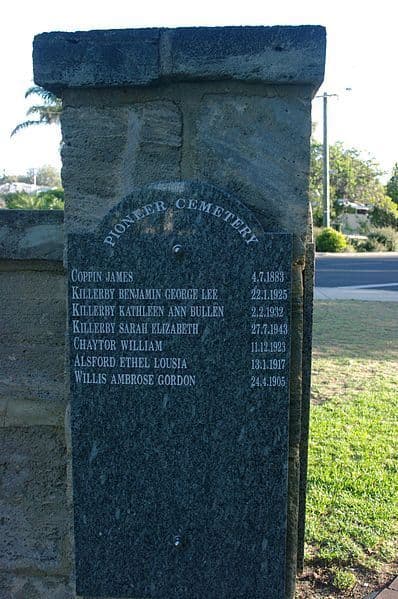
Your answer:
<point x="179" y="330"/>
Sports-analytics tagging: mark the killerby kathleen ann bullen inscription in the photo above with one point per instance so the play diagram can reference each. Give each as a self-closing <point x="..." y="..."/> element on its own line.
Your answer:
<point x="179" y="330"/>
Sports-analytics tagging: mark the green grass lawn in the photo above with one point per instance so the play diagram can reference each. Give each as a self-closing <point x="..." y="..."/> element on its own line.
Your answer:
<point x="352" y="502"/>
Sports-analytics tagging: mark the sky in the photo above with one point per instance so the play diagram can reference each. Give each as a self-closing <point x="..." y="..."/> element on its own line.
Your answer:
<point x="362" y="51"/>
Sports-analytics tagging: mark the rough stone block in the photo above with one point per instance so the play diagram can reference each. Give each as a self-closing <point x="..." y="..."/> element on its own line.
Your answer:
<point x="153" y="144"/>
<point x="33" y="323"/>
<point x="32" y="587"/>
<point x="257" y="147"/>
<point x="20" y="412"/>
<point x="100" y="135"/>
<point x="267" y="54"/>
<point x="124" y="147"/>
<point x="139" y="57"/>
<point x="96" y="58"/>
<point x="33" y="498"/>
<point x="31" y="234"/>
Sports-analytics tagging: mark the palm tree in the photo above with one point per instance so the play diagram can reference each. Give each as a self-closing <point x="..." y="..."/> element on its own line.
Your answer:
<point x="48" y="112"/>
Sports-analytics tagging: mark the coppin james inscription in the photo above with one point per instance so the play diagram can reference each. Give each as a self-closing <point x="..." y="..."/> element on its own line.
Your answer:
<point x="179" y="330"/>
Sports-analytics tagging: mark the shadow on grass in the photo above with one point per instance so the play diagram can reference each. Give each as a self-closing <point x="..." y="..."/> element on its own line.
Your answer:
<point x="355" y="329"/>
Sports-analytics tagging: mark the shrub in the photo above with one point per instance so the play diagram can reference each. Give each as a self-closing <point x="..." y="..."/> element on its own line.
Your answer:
<point x="316" y="231"/>
<point x="344" y="580"/>
<point x="371" y="245"/>
<point x="386" y="237"/>
<point x="330" y="240"/>
<point x="350" y="248"/>
<point x="52" y="199"/>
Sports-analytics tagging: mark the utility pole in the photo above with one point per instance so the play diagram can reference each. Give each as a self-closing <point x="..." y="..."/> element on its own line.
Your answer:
<point x="326" y="174"/>
<point x="325" y="148"/>
<point x="325" y="153"/>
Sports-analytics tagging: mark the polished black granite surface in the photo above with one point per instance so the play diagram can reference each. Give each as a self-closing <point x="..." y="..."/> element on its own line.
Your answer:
<point x="179" y="328"/>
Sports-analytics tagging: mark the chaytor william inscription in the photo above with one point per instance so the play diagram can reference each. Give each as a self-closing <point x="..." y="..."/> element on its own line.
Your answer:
<point x="179" y="330"/>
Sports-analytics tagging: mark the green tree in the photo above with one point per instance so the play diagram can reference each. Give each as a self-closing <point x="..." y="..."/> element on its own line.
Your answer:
<point x="47" y="113"/>
<point x="315" y="188"/>
<point x="354" y="177"/>
<point x="46" y="175"/>
<point x="351" y="177"/>
<point x="392" y="185"/>
<point x="7" y="178"/>
<point x="385" y="214"/>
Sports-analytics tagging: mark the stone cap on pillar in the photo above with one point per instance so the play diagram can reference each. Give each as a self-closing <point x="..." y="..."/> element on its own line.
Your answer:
<point x="141" y="57"/>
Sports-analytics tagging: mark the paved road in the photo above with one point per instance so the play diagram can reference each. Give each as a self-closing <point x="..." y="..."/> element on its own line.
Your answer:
<point x="346" y="270"/>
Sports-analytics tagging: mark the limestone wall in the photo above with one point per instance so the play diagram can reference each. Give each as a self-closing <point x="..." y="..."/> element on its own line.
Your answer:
<point x="34" y="514"/>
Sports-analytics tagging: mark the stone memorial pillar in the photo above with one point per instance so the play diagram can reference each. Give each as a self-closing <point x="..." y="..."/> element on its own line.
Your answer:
<point x="189" y="259"/>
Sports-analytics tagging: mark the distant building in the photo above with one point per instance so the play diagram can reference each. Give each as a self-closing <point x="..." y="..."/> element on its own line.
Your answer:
<point x="18" y="187"/>
<point x="353" y="207"/>
<point x="355" y="216"/>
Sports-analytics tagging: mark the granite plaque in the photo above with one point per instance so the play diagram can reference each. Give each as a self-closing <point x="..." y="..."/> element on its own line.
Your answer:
<point x="179" y="329"/>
